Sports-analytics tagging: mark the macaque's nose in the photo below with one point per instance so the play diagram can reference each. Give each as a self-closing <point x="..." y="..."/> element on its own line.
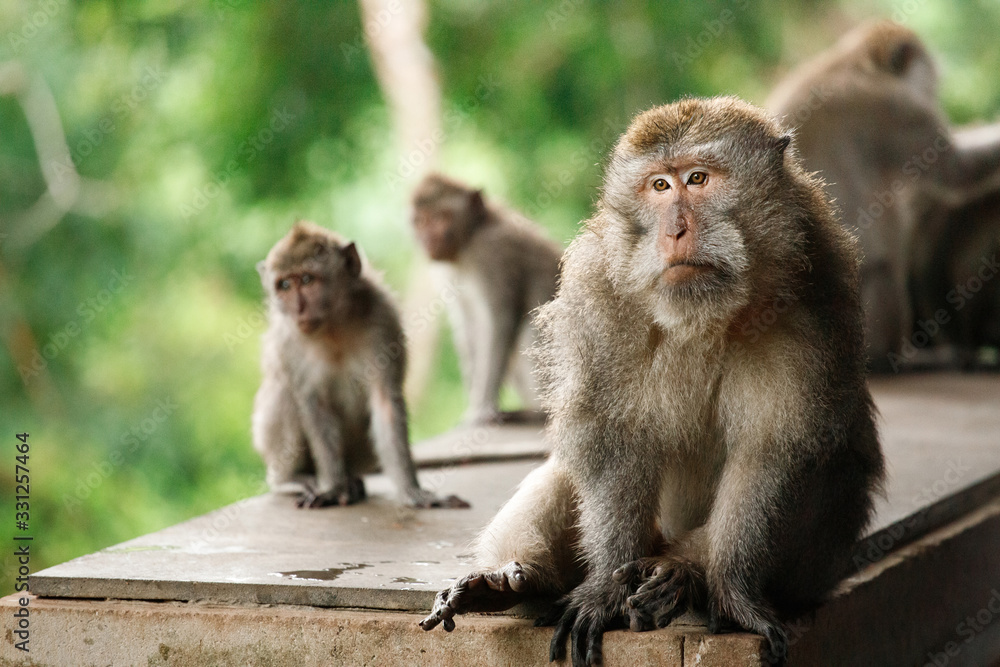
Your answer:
<point x="675" y="230"/>
<point x="676" y="239"/>
<point x="302" y="302"/>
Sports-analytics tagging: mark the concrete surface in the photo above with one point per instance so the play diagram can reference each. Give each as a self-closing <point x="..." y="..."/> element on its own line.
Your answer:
<point x="930" y="560"/>
<point x="941" y="435"/>
<point x="373" y="555"/>
<point x="77" y="632"/>
<point x="935" y="602"/>
<point x="481" y="444"/>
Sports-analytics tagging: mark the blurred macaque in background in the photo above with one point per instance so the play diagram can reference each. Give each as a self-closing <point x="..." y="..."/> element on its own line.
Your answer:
<point x="868" y="119"/>
<point x="502" y="268"/>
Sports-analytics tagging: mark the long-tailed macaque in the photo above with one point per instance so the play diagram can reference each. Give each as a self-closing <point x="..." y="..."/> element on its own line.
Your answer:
<point x="703" y="367"/>
<point x="333" y="364"/>
<point x="868" y="119"/>
<point x="502" y="268"/>
<point x="955" y="294"/>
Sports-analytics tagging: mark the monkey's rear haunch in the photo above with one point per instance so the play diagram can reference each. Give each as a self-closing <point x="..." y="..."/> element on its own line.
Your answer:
<point x="703" y="365"/>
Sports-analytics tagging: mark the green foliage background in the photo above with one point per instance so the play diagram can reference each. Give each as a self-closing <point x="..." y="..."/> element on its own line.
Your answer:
<point x="140" y="418"/>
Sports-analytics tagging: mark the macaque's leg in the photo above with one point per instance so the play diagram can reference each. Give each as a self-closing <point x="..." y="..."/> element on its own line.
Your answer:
<point x="279" y="439"/>
<point x="493" y="353"/>
<point x="389" y="432"/>
<point x="528" y="549"/>
<point x="326" y="445"/>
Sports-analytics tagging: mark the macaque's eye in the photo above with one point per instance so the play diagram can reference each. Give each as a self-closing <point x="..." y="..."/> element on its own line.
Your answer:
<point x="698" y="178"/>
<point x="306" y="278"/>
<point x="660" y="184"/>
<point x="284" y="284"/>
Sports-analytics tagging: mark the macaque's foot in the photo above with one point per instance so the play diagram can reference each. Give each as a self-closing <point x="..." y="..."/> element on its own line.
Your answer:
<point x="342" y="494"/>
<point x="482" y="417"/>
<point x="481" y="591"/>
<point x="587" y="612"/>
<point x="755" y="619"/>
<point x="422" y="500"/>
<point x="504" y="418"/>
<point x="520" y="417"/>
<point x="665" y="587"/>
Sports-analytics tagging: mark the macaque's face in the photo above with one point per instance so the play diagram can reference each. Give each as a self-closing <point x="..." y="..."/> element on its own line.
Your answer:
<point x="439" y="229"/>
<point x="316" y="291"/>
<point x="685" y="247"/>
<point x="674" y="196"/>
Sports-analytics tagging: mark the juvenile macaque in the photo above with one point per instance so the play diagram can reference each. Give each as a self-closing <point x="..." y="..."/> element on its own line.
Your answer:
<point x="333" y="363"/>
<point x="867" y="118"/>
<point x="502" y="269"/>
<point x="699" y="459"/>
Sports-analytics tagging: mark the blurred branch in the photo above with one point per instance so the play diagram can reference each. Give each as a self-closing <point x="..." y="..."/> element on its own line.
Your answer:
<point x="405" y="69"/>
<point x="65" y="190"/>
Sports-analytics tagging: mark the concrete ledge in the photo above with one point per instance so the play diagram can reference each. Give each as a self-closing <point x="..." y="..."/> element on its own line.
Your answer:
<point x="260" y="582"/>
<point x="114" y="632"/>
<point x="934" y="602"/>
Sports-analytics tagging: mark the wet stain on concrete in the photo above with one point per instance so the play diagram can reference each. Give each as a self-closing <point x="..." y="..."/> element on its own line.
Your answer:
<point x="329" y="574"/>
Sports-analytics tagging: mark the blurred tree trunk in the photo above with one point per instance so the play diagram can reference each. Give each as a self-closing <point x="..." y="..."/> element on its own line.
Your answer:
<point x="406" y="72"/>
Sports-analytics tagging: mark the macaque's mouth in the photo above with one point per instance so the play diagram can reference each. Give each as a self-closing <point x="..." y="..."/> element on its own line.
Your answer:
<point x="308" y="325"/>
<point x="683" y="271"/>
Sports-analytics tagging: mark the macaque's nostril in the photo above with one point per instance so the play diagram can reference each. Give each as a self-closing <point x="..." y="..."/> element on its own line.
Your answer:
<point x="680" y="233"/>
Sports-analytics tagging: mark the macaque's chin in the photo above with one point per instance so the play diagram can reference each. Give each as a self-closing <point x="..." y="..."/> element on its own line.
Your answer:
<point x="308" y="325"/>
<point x="678" y="274"/>
<point x="441" y="253"/>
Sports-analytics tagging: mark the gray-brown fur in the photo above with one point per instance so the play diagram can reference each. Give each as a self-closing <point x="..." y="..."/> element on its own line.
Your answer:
<point x="330" y="406"/>
<point x="868" y="119"/>
<point x="956" y="293"/>
<point x="501" y="268"/>
<point x="713" y="436"/>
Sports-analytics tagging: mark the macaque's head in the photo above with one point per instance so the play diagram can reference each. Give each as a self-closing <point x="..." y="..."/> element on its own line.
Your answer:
<point x="884" y="48"/>
<point x="445" y="215"/>
<point x="696" y="205"/>
<point x="312" y="275"/>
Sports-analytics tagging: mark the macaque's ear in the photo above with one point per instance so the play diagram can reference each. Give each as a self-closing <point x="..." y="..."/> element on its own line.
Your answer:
<point x="261" y="268"/>
<point x="352" y="260"/>
<point x="477" y="206"/>
<point x="782" y="143"/>
<point x="901" y="57"/>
